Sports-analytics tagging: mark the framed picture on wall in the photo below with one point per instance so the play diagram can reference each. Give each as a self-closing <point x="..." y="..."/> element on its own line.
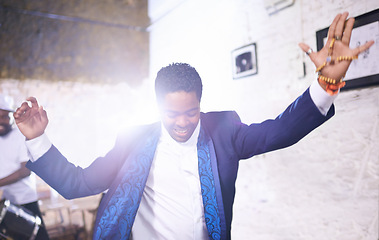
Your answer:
<point x="364" y="71"/>
<point x="244" y="61"/>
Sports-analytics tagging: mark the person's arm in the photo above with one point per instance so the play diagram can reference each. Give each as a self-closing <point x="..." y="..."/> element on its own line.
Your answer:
<point x="73" y="181"/>
<point x="50" y="165"/>
<point x="300" y="118"/>
<point x="16" y="176"/>
<point x="47" y="162"/>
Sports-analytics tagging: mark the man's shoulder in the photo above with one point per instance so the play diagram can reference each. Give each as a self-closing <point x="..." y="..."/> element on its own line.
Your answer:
<point x="220" y="116"/>
<point x="214" y="121"/>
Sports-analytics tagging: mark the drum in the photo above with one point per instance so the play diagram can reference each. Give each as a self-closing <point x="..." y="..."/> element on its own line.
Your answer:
<point x="17" y="222"/>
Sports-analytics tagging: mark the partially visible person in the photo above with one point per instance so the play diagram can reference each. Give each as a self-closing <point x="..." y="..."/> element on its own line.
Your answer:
<point x="16" y="182"/>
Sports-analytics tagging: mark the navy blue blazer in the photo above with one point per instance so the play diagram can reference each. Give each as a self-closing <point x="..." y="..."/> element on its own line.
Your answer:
<point x="232" y="139"/>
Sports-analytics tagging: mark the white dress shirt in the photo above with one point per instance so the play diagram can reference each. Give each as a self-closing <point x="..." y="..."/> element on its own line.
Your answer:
<point x="172" y="205"/>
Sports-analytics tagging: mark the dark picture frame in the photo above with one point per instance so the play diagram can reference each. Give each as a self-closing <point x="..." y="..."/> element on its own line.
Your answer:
<point x="364" y="71"/>
<point x="244" y="61"/>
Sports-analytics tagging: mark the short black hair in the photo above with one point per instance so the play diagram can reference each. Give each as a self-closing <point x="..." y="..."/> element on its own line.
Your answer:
<point x="178" y="77"/>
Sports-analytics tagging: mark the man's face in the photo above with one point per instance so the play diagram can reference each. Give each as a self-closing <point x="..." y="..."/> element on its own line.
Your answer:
<point x="5" y="125"/>
<point x="180" y="114"/>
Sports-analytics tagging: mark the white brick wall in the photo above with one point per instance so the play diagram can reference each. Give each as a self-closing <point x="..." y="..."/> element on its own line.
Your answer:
<point x="325" y="187"/>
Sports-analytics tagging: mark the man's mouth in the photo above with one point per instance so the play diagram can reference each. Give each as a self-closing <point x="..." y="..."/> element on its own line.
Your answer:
<point x="181" y="131"/>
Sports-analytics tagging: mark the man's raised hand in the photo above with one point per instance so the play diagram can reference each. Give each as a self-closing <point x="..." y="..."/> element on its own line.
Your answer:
<point x="336" y="47"/>
<point x="31" y="121"/>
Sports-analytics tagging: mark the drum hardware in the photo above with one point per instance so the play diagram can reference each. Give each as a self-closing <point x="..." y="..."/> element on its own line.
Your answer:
<point x="18" y="221"/>
<point x="2" y="236"/>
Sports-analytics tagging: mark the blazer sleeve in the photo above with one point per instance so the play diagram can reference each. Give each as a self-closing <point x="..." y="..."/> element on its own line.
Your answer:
<point x="300" y="118"/>
<point x="74" y="181"/>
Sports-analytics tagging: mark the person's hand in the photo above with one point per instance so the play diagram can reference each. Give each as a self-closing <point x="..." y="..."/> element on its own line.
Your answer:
<point x="339" y="33"/>
<point x="31" y="121"/>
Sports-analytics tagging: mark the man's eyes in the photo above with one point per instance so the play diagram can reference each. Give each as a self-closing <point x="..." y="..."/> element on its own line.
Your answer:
<point x="171" y="115"/>
<point x="188" y="114"/>
<point x="191" y="113"/>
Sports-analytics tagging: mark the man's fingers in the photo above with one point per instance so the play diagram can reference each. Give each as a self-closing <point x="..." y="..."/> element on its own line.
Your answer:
<point x="363" y="47"/>
<point x="21" y="110"/>
<point x="308" y="50"/>
<point x="332" y="27"/>
<point x="347" y="31"/>
<point x="25" y="106"/>
<point x="24" y="110"/>
<point x="339" y="30"/>
<point x="304" y="47"/>
<point x="43" y="115"/>
<point x="33" y="101"/>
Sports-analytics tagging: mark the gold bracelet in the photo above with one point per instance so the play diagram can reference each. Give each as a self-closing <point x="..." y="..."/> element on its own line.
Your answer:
<point x="331" y="85"/>
<point x="329" y="80"/>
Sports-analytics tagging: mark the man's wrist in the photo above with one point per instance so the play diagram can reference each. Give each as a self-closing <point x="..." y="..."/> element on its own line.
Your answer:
<point x="38" y="146"/>
<point x="321" y="98"/>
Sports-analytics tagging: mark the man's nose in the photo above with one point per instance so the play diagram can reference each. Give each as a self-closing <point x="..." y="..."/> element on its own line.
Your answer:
<point x="181" y="121"/>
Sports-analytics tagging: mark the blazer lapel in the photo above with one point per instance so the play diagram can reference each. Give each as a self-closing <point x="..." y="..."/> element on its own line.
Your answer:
<point x="118" y="209"/>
